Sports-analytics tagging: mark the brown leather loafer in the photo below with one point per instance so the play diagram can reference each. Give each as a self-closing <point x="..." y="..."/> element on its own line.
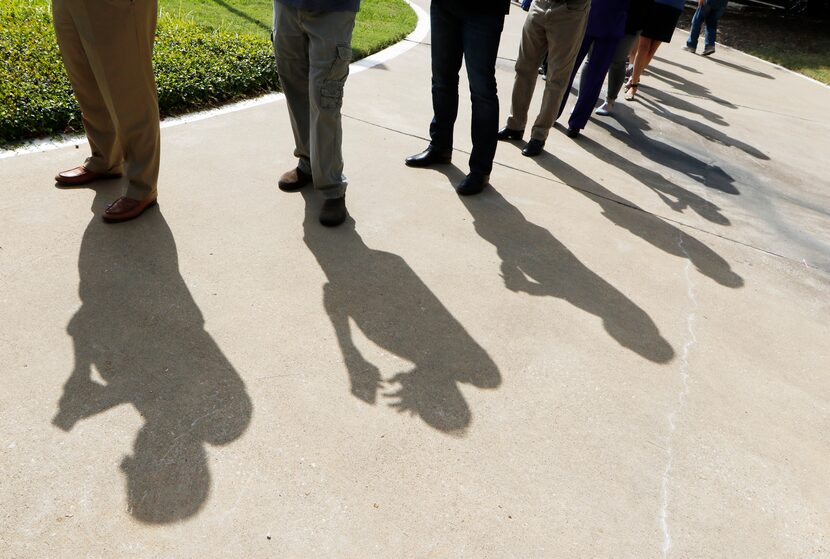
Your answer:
<point x="81" y="175"/>
<point x="125" y="209"/>
<point x="294" y="180"/>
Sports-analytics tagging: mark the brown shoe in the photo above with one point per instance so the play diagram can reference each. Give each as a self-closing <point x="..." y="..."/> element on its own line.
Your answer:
<point x="125" y="209"/>
<point x="81" y="175"/>
<point x="294" y="180"/>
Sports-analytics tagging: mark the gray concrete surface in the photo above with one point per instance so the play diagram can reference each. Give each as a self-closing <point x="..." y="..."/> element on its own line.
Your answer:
<point x="620" y="350"/>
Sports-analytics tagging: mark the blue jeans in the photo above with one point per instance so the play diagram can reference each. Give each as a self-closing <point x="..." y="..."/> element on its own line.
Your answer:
<point x="709" y="13"/>
<point x="457" y="34"/>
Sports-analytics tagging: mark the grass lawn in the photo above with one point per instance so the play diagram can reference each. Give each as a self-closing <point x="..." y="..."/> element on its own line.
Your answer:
<point x="207" y="52"/>
<point x="798" y="42"/>
<point x="380" y="23"/>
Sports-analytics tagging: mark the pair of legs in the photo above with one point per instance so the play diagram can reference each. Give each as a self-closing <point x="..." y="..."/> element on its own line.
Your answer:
<point x="457" y="34"/>
<point x="107" y="49"/>
<point x="708" y="13"/>
<point x="598" y="53"/>
<point x="626" y="50"/>
<point x="313" y="51"/>
<point x="646" y="49"/>
<point x="555" y="29"/>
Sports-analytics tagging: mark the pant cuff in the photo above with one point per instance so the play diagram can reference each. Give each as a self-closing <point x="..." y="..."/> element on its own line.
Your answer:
<point x="333" y="191"/>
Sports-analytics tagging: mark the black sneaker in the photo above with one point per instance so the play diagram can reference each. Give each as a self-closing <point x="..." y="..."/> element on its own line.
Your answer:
<point x="333" y="212"/>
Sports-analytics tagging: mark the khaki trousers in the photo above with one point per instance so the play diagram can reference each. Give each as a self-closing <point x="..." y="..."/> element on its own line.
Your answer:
<point x="313" y="51"/>
<point x="555" y="28"/>
<point x="107" y="48"/>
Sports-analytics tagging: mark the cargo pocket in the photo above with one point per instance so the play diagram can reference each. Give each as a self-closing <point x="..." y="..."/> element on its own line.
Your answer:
<point x="331" y="92"/>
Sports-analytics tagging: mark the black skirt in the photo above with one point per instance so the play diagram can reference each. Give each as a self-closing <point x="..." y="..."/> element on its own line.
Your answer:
<point x="660" y="22"/>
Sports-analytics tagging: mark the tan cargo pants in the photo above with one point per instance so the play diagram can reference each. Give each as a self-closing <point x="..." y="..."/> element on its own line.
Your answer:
<point x="107" y="48"/>
<point x="555" y="28"/>
<point x="313" y="51"/>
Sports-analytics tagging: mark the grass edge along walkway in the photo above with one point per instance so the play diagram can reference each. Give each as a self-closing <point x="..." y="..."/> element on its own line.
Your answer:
<point x="199" y="64"/>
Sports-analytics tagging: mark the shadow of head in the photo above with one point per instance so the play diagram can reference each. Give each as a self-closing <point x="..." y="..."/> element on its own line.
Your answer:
<point x="139" y="339"/>
<point x="381" y="295"/>
<point x="536" y="263"/>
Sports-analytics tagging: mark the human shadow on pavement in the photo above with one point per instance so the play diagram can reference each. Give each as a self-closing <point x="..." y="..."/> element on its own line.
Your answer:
<point x="687" y="86"/>
<point x="141" y="331"/>
<point x="648" y="227"/>
<point x="662" y="153"/>
<point x="537" y="263"/>
<point x="382" y="296"/>
<point x="661" y="100"/>
<point x="675" y="197"/>
<point x="739" y="68"/>
<point x="677" y="64"/>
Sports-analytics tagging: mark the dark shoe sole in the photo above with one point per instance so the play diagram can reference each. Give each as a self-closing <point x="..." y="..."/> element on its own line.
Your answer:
<point x="432" y="162"/>
<point x="292" y="186"/>
<point x="64" y="182"/>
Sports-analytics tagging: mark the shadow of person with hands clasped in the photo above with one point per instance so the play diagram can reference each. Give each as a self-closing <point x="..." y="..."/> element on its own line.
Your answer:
<point x="391" y="305"/>
<point x="140" y="329"/>
<point x="536" y="263"/>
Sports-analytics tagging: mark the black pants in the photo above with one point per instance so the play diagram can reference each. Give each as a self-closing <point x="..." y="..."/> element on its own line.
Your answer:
<point x="456" y="33"/>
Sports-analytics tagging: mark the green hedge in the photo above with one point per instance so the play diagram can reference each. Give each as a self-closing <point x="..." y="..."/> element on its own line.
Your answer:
<point x="195" y="67"/>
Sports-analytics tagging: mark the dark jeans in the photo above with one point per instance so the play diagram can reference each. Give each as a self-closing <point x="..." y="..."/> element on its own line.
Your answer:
<point x="475" y="37"/>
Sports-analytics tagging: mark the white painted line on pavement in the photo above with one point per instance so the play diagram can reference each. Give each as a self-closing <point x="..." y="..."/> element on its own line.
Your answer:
<point x="412" y="40"/>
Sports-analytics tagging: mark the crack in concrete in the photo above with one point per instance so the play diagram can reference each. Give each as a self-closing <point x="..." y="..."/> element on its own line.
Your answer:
<point x="674" y="415"/>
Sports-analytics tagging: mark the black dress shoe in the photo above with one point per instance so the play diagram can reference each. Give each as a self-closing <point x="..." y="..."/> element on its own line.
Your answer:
<point x="333" y="212"/>
<point x="429" y="157"/>
<point x="572" y="132"/>
<point x="472" y="184"/>
<point x="510" y="134"/>
<point x="533" y="148"/>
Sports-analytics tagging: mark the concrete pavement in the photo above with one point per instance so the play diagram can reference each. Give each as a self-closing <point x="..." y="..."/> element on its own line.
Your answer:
<point x="620" y="350"/>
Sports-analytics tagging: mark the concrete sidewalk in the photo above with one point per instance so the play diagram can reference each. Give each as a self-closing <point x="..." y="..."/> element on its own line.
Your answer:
<point x="620" y="350"/>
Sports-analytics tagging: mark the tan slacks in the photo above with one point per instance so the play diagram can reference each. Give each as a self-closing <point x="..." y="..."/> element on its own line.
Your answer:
<point x="555" y="28"/>
<point x="107" y="48"/>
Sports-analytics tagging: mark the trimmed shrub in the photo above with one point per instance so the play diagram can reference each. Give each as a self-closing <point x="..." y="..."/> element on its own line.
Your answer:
<point x="196" y="67"/>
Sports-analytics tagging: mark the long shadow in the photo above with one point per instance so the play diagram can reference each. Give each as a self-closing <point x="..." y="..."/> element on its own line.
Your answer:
<point x="536" y="263"/>
<point x="675" y="197"/>
<point x="633" y="135"/>
<point x="391" y="305"/>
<point x="687" y="86"/>
<point x="662" y="100"/>
<point x="683" y="105"/>
<point x="239" y="13"/>
<point x="650" y="228"/>
<point x="677" y="64"/>
<point x="140" y="330"/>
<point x="739" y="68"/>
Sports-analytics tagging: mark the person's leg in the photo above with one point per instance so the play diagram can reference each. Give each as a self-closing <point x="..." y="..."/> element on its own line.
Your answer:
<point x="641" y="60"/>
<point x="291" y="52"/>
<point x="329" y="53"/>
<point x="482" y="33"/>
<point x="697" y="23"/>
<point x="532" y="50"/>
<point x="565" y="28"/>
<point x="590" y="86"/>
<point x="651" y="52"/>
<point x="120" y="36"/>
<point x="585" y="53"/>
<point x="616" y="74"/>
<point x="447" y="53"/>
<point x="107" y="156"/>
<point x="716" y="10"/>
